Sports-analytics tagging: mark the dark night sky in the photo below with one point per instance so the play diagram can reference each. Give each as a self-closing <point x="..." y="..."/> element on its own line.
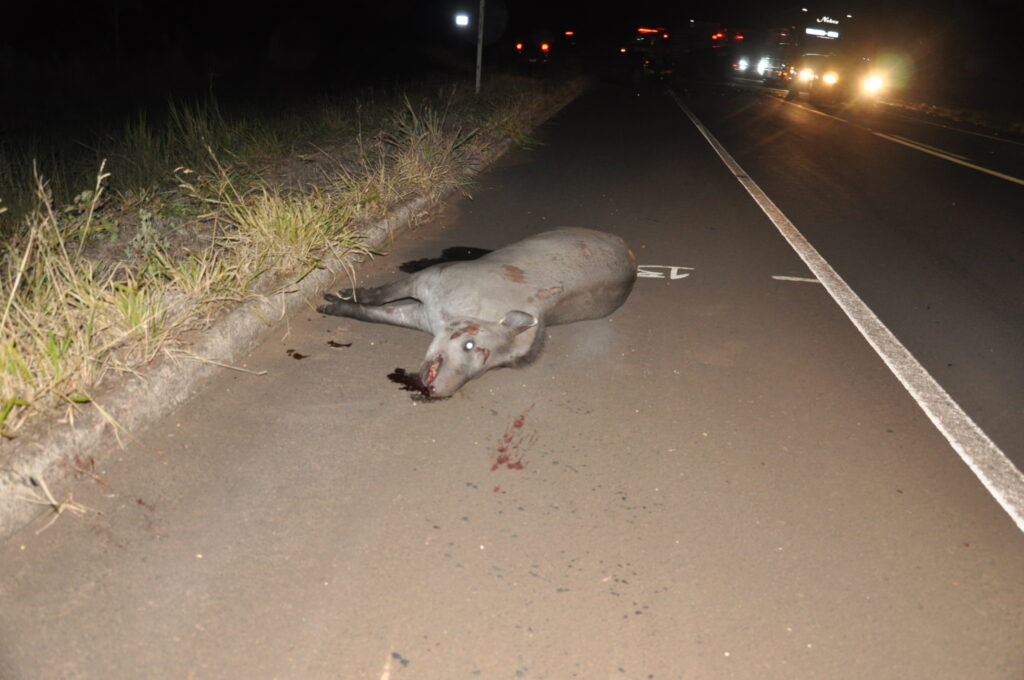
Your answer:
<point x="144" y="25"/>
<point x="53" y="54"/>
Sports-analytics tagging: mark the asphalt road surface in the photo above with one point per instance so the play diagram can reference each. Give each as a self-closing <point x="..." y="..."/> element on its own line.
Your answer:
<point x="722" y="480"/>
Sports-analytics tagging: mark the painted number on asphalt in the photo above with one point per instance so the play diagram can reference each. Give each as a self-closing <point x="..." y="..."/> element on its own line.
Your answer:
<point x="654" y="271"/>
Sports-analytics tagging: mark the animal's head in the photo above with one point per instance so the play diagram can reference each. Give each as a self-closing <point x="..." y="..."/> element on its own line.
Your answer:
<point x="470" y="347"/>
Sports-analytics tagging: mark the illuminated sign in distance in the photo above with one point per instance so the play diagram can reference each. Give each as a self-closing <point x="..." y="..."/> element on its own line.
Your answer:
<point x="821" y="33"/>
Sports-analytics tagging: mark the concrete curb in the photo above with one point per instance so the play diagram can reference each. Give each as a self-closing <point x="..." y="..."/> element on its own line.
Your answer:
<point x="58" y="452"/>
<point x="54" y="453"/>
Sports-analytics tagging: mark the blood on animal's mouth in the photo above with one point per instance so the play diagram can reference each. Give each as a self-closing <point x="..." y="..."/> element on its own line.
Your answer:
<point x="419" y="382"/>
<point x="431" y="374"/>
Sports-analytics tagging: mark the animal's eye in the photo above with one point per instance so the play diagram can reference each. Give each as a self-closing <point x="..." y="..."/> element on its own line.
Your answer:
<point x="468" y="345"/>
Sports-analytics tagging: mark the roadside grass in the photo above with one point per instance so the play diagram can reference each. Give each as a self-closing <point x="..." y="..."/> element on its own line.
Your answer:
<point x="181" y="217"/>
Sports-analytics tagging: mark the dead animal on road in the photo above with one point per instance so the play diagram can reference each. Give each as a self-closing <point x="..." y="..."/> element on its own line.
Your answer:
<point x="492" y="311"/>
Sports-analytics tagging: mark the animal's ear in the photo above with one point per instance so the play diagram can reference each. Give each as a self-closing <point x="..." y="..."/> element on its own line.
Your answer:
<point x="519" y="321"/>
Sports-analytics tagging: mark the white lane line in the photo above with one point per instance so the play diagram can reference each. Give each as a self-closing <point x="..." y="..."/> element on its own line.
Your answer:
<point x="801" y="279"/>
<point x="945" y="155"/>
<point x="922" y="146"/>
<point x="917" y="146"/>
<point x="811" y="109"/>
<point x="995" y="471"/>
<point x="962" y="131"/>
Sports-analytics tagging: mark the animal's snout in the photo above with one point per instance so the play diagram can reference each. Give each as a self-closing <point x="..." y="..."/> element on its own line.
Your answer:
<point x="429" y="372"/>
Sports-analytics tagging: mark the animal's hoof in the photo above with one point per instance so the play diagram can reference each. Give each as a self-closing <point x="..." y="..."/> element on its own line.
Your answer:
<point x="335" y="306"/>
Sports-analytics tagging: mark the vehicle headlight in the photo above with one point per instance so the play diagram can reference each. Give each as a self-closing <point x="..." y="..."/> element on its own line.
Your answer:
<point x="873" y="84"/>
<point x="742" y="64"/>
<point x="762" y="66"/>
<point x="830" y="78"/>
<point x="806" y="74"/>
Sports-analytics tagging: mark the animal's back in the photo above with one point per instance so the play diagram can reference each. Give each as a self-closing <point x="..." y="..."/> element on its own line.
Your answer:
<point x="561" y="276"/>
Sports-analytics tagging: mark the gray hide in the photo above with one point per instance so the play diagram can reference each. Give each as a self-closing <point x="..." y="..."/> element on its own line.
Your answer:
<point x="492" y="311"/>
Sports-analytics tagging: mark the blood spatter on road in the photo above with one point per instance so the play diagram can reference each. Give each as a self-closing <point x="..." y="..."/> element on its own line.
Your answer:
<point x="515" y="442"/>
<point x="410" y="382"/>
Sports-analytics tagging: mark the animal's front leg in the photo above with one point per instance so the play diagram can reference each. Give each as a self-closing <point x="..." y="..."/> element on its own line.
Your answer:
<point x="396" y="290"/>
<point x="407" y="313"/>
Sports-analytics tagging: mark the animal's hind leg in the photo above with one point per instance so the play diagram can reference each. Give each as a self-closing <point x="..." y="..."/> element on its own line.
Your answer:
<point x="406" y="313"/>
<point x="396" y="290"/>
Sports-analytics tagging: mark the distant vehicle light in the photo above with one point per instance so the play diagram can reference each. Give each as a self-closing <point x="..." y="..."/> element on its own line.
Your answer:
<point x="738" y="37"/>
<point x="665" y="36"/>
<point x="873" y="84"/>
<point x="762" y="65"/>
<point x="806" y="74"/>
<point x="570" y="33"/>
<point x="742" y="64"/>
<point x="830" y="78"/>
<point x="644" y="29"/>
<point x="822" y="33"/>
<point x="622" y="50"/>
<point x="544" y="47"/>
<point x="519" y="47"/>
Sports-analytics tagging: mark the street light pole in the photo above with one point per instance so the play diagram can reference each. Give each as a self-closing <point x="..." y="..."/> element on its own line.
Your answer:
<point x="479" y="44"/>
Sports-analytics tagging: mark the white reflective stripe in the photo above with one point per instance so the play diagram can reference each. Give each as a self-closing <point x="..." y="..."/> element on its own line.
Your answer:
<point x="945" y="155"/>
<point x="996" y="472"/>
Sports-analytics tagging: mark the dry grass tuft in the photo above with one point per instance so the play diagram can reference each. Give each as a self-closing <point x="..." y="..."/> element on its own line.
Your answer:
<point x="100" y="283"/>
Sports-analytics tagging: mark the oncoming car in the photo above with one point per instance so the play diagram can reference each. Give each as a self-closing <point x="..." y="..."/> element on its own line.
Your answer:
<point x="830" y="79"/>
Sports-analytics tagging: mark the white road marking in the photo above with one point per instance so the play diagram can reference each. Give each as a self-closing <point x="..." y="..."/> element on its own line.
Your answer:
<point x="946" y="155"/>
<point x="917" y="146"/>
<point x="781" y="94"/>
<point x="802" y="279"/>
<point x="950" y="127"/>
<point x="995" y="471"/>
<point x="922" y="146"/>
<point x="674" y="271"/>
<point x="816" y="111"/>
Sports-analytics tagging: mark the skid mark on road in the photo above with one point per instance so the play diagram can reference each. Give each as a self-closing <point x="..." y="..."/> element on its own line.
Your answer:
<point x="995" y="471"/>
